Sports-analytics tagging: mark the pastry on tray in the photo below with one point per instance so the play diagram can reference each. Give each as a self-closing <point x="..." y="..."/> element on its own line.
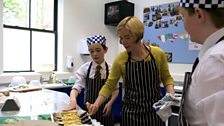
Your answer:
<point x="72" y="118"/>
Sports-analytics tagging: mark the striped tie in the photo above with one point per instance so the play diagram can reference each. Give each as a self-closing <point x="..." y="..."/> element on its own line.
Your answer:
<point x="98" y="74"/>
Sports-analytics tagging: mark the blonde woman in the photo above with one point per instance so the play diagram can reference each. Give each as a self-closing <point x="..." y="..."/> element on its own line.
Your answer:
<point x="142" y="68"/>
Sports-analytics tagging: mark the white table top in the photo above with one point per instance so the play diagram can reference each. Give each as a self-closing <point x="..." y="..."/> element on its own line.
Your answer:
<point x="38" y="102"/>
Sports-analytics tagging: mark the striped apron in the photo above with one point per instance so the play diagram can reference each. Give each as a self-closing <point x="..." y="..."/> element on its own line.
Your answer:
<point x="92" y="89"/>
<point x="142" y="90"/>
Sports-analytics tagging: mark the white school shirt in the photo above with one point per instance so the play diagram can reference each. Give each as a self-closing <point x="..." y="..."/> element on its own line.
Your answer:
<point x="205" y="97"/>
<point x="81" y="74"/>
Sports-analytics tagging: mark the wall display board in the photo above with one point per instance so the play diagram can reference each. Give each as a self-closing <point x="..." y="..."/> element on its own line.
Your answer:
<point x="164" y="28"/>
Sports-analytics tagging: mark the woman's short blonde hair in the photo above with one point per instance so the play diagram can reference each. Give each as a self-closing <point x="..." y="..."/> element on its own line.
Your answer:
<point x="134" y="25"/>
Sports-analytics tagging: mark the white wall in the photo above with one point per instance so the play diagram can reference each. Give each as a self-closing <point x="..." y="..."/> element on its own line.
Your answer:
<point x="83" y="18"/>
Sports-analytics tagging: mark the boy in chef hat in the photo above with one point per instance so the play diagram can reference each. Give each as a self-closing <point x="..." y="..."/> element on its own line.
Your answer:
<point x="92" y="76"/>
<point x="203" y="20"/>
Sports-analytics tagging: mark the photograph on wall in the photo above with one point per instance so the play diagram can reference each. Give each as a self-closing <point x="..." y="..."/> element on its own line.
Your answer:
<point x="164" y="28"/>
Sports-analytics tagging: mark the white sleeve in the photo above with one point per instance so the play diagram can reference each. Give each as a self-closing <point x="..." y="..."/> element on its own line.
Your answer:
<point x="80" y="77"/>
<point x="210" y="93"/>
<point x="212" y="109"/>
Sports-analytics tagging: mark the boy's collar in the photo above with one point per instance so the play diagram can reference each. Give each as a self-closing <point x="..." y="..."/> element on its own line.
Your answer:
<point x="102" y="64"/>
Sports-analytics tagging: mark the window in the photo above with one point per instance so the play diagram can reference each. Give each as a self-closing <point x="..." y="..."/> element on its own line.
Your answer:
<point x="29" y="34"/>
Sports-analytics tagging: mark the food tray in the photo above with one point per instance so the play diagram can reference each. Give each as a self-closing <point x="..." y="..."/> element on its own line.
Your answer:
<point x="74" y="118"/>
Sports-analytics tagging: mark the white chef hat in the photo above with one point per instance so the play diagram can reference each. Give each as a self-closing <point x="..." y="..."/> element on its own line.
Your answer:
<point x="96" y="39"/>
<point x="202" y="3"/>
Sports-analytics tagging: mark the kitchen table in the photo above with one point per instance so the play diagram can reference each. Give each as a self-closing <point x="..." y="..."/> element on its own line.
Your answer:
<point x="38" y="102"/>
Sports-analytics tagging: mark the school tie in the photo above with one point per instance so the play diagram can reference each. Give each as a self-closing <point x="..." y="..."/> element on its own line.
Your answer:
<point x="187" y="83"/>
<point x="98" y="74"/>
<point x="181" y="119"/>
<point x="195" y="65"/>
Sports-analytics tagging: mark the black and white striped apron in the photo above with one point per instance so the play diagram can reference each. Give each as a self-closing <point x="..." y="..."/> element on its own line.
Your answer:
<point x="142" y="89"/>
<point x="92" y="89"/>
<point x="187" y="82"/>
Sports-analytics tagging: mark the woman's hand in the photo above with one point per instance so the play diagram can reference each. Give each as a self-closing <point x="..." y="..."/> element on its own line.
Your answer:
<point x="92" y="108"/>
<point x="107" y="109"/>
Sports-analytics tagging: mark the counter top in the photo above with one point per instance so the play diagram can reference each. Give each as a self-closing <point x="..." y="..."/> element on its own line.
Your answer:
<point x="38" y="102"/>
<point x="178" y="89"/>
<point x="55" y="86"/>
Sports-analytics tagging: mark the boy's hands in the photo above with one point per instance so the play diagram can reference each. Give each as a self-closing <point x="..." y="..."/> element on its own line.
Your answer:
<point x="72" y="105"/>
